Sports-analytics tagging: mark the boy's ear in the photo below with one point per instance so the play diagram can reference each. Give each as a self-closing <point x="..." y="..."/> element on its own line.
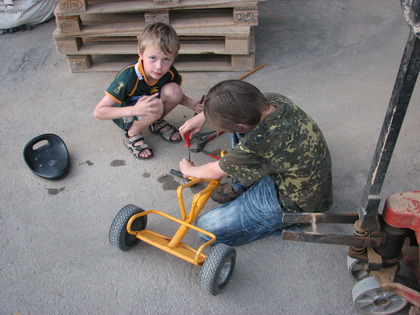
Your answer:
<point x="139" y="53"/>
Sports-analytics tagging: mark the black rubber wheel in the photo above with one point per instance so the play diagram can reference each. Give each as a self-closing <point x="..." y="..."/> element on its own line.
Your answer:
<point x="118" y="235"/>
<point x="217" y="268"/>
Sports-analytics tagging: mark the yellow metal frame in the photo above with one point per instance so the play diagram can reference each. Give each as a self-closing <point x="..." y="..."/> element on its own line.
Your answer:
<point x="174" y="245"/>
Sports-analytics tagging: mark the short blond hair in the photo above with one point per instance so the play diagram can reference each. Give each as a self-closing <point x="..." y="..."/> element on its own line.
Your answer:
<point x="160" y="35"/>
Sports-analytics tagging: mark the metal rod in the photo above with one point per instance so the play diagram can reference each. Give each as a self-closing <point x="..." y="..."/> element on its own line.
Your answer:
<point x="251" y="72"/>
<point x="397" y="108"/>
<point x="319" y="217"/>
<point x="336" y="239"/>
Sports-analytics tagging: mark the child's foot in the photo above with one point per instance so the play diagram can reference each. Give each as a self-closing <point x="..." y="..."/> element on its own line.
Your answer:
<point x="138" y="147"/>
<point x="166" y="131"/>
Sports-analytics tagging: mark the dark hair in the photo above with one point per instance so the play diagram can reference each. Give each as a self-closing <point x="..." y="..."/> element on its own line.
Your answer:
<point x="234" y="102"/>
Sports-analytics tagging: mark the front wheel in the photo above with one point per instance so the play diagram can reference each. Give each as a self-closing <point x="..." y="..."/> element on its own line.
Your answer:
<point x="118" y="235"/>
<point x="370" y="298"/>
<point x="217" y="268"/>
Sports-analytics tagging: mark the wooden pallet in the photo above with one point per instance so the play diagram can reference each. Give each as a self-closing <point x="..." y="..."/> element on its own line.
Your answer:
<point x="99" y="35"/>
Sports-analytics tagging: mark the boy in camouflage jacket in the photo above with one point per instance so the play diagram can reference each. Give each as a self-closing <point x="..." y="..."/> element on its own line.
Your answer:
<point x="281" y="164"/>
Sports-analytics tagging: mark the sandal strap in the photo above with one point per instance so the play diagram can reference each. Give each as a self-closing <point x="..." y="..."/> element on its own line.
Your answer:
<point x="158" y="125"/>
<point x="132" y="140"/>
<point x="168" y="133"/>
<point x="136" y="149"/>
<point x="141" y="148"/>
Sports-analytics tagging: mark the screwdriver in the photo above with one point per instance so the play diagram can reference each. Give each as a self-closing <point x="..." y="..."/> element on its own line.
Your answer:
<point x="201" y="101"/>
<point x="188" y="144"/>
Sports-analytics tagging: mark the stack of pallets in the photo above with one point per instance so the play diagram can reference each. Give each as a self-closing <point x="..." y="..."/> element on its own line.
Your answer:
<point x="101" y="35"/>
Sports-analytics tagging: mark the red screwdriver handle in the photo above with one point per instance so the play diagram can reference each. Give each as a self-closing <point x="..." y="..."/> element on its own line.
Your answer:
<point x="188" y="139"/>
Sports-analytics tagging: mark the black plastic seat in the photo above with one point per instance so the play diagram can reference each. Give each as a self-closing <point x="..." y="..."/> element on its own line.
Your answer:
<point x="47" y="156"/>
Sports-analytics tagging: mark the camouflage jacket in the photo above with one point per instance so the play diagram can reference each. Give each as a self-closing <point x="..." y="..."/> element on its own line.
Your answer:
<point x="288" y="146"/>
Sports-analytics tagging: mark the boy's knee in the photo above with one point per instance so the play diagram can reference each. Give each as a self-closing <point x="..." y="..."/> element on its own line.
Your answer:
<point x="171" y="92"/>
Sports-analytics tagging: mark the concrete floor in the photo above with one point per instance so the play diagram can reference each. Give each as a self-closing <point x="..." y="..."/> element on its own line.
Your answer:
<point x="337" y="60"/>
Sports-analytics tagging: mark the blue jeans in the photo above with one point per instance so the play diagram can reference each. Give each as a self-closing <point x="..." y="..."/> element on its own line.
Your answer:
<point x="253" y="215"/>
<point x="235" y="138"/>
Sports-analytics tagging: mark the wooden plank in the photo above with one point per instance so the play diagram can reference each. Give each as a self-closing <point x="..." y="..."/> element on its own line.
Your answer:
<point x="160" y="2"/>
<point x="202" y="18"/>
<point x="74" y="46"/>
<point x="81" y="5"/>
<point x="204" y="63"/>
<point x="135" y="29"/>
<point x="74" y="6"/>
<point x="187" y="48"/>
<point x="135" y="22"/>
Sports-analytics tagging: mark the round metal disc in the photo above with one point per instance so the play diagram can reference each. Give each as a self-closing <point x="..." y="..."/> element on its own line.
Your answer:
<point x="370" y="298"/>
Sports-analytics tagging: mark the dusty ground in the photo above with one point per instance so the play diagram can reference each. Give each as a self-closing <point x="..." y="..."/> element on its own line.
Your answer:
<point x="337" y="60"/>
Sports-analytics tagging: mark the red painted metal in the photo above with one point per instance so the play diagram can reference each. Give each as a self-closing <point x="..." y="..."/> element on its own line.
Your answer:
<point x="402" y="210"/>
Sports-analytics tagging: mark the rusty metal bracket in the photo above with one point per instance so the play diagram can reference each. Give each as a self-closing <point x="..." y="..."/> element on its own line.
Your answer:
<point x="374" y="260"/>
<point x="335" y="239"/>
<point x="320" y="218"/>
<point x="338" y="239"/>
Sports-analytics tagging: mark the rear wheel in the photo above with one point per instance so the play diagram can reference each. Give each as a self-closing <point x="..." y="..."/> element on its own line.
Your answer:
<point x="118" y="235"/>
<point x="217" y="268"/>
<point x="357" y="268"/>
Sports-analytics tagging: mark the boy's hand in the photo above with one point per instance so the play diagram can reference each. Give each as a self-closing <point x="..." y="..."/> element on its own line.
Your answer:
<point x="185" y="166"/>
<point x="149" y="105"/>
<point x="196" y="104"/>
<point x="199" y="106"/>
<point x="209" y="170"/>
<point x="192" y="125"/>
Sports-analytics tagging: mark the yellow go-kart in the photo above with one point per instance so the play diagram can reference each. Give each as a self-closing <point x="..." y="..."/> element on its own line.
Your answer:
<point x="129" y="226"/>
